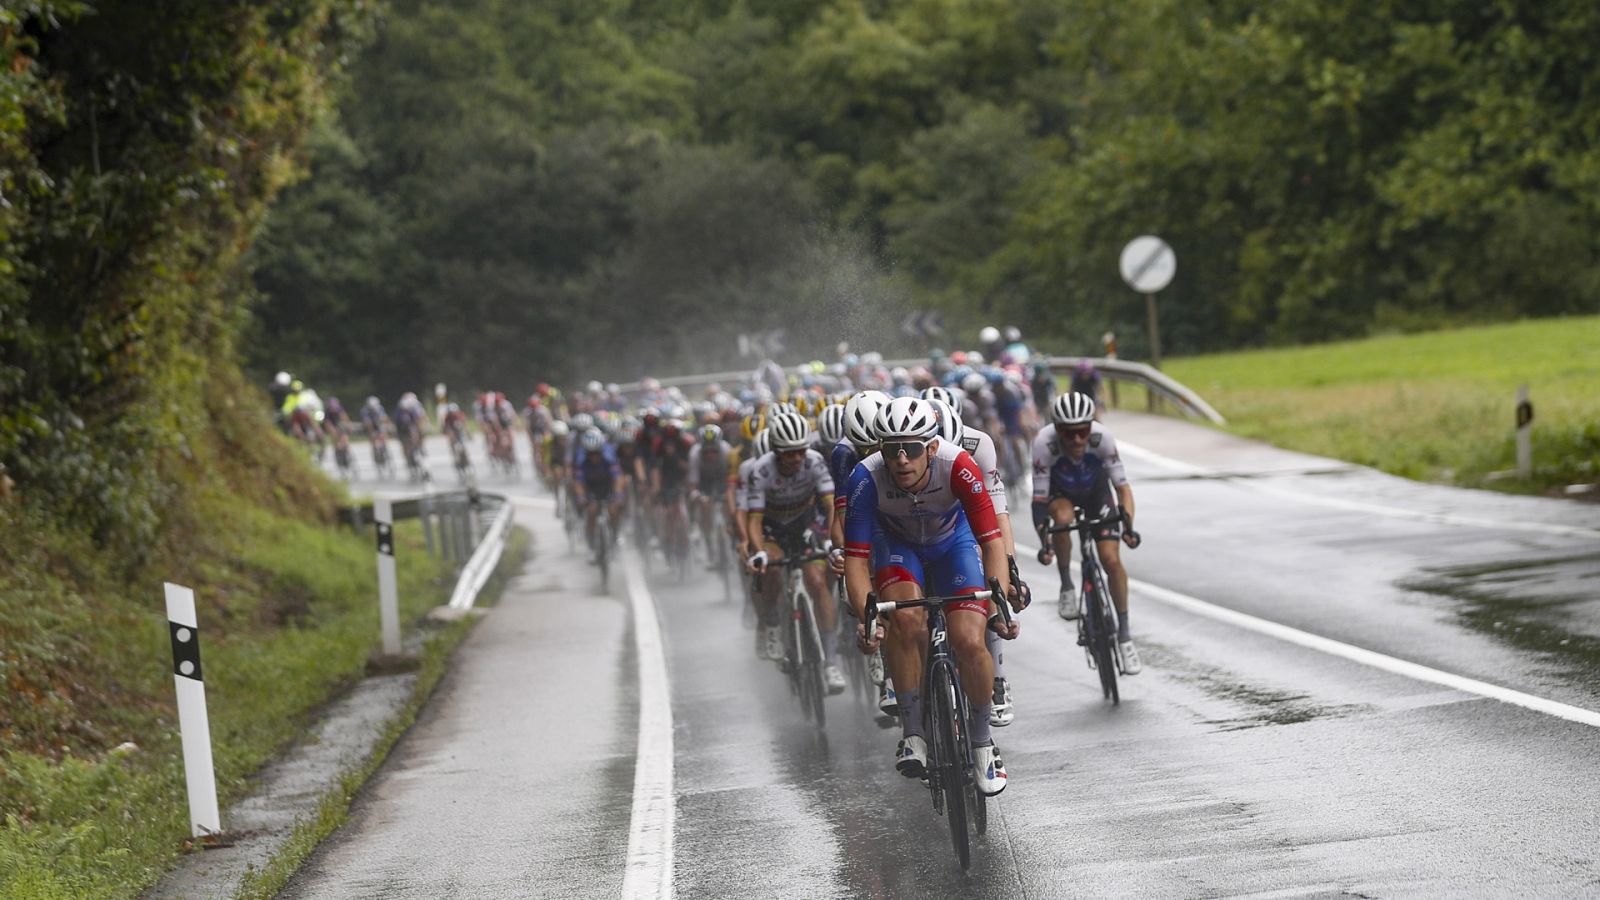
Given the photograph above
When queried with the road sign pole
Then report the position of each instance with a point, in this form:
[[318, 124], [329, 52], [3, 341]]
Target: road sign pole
[[1155, 329]]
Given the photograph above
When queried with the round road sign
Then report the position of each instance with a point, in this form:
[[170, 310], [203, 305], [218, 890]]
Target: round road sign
[[1148, 264]]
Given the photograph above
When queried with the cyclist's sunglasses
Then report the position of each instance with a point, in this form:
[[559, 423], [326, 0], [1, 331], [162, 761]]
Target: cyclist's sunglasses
[[1081, 432], [912, 449], [792, 452]]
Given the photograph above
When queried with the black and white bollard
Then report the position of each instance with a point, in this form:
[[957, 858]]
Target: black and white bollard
[[193, 722], [388, 588], [1524, 432]]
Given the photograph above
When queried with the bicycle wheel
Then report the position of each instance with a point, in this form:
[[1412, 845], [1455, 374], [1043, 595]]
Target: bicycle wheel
[[1102, 631], [947, 760], [811, 650], [976, 804]]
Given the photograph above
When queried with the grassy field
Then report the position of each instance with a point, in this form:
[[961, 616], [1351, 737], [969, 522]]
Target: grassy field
[[1438, 406], [91, 780]]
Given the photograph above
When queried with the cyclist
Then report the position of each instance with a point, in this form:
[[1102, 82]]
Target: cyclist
[[980, 446], [708, 467], [1086, 380], [374, 418], [453, 422], [861, 412], [597, 479], [784, 488], [557, 450], [279, 392], [669, 480], [919, 512], [1044, 388], [769, 643], [495, 417], [1076, 464]]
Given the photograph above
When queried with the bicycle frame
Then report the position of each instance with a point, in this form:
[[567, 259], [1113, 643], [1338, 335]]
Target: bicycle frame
[[1098, 626], [951, 775]]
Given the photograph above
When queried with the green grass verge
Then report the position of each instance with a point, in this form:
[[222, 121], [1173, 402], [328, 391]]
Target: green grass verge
[[287, 618], [333, 809], [1436, 406]]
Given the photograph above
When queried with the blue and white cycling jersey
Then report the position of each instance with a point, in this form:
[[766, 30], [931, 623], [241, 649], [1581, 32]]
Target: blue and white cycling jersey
[[1056, 475]]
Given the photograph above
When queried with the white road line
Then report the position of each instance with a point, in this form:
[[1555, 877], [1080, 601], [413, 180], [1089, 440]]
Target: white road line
[[1353, 653], [1138, 452], [649, 872]]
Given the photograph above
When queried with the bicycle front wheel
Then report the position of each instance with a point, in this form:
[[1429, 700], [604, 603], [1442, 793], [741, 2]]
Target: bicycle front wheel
[[946, 760], [1102, 631], [811, 649]]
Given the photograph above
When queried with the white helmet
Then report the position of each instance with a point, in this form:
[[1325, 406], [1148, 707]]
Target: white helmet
[[281, 379], [582, 422], [950, 427], [1072, 409], [593, 440], [559, 428], [860, 416], [989, 335], [906, 417], [974, 383], [831, 423], [761, 444], [790, 431], [949, 397], [592, 387]]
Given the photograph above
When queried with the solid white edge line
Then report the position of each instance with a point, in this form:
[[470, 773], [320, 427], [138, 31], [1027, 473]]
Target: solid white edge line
[[1356, 654], [1138, 452], [649, 863]]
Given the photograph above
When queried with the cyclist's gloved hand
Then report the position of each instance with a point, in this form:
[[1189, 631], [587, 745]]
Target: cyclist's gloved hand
[[758, 562], [869, 643], [1046, 555], [1131, 538], [1021, 595], [1007, 630]]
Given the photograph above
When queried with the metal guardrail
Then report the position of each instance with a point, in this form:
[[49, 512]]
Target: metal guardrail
[[466, 526], [1153, 380]]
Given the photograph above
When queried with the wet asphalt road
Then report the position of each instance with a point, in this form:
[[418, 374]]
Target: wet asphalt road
[[1237, 763]]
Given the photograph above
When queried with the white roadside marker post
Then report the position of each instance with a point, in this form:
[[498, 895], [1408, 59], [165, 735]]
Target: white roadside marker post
[[388, 589], [193, 723]]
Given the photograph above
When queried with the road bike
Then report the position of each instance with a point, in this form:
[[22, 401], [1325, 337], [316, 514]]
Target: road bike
[[459, 455], [601, 541], [342, 456], [803, 659], [382, 464], [951, 773], [502, 453], [675, 532], [1097, 621]]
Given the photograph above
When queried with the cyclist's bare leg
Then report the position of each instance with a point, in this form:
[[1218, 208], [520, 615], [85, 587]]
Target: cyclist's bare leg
[[977, 666], [771, 585], [905, 648], [824, 606], [1061, 510], [1116, 572]]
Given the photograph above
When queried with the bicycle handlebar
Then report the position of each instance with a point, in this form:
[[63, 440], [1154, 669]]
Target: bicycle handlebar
[[876, 609]]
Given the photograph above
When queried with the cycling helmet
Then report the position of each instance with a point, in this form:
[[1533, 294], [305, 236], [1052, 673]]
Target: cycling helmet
[[790, 431], [559, 428], [582, 422], [1072, 409], [454, 407], [950, 427], [751, 424], [761, 444], [989, 335], [710, 433], [906, 417], [831, 423], [593, 387], [1013, 334], [593, 439], [373, 402], [944, 395], [671, 427], [281, 379], [861, 416], [974, 383]]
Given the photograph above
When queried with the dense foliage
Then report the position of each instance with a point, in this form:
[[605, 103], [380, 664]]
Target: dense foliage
[[522, 190], [137, 155]]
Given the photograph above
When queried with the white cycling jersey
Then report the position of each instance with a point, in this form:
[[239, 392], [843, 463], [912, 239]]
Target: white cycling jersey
[[1055, 473], [741, 489], [786, 498], [955, 489], [981, 447]]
